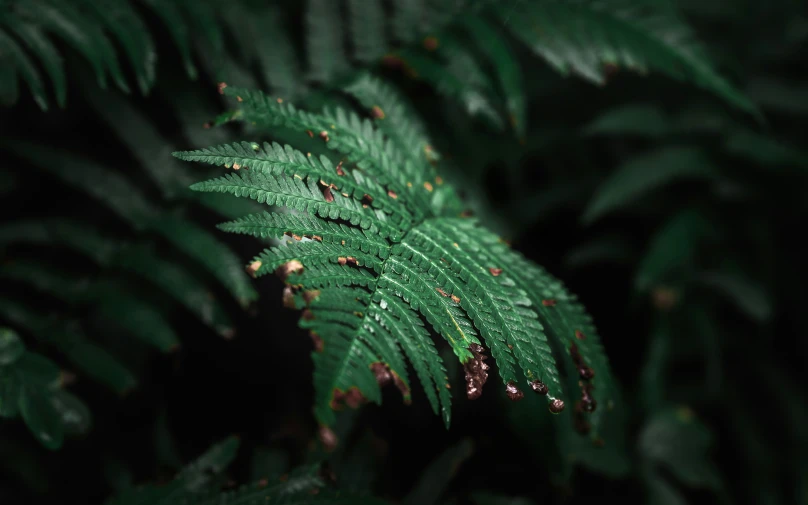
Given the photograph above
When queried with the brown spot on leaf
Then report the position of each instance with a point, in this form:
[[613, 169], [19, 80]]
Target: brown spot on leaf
[[556, 406], [513, 392], [290, 267], [392, 61], [221, 87], [317, 238], [289, 297], [377, 112], [297, 237], [455, 299], [392, 194], [580, 335], [340, 171], [539, 387], [207, 125], [311, 295], [366, 200], [495, 271], [347, 260], [586, 372], [307, 315], [442, 292], [252, 268], [431, 43], [317, 341], [382, 373], [548, 303], [279, 100], [664, 298], [329, 197], [428, 186], [324, 136], [466, 213], [476, 372], [328, 438], [438, 180], [239, 99]]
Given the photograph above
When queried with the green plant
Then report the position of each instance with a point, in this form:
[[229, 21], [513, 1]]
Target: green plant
[[671, 214]]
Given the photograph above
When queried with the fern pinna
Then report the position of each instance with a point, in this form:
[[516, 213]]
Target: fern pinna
[[376, 243]]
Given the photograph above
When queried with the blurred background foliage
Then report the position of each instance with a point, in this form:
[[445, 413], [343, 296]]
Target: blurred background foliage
[[671, 200]]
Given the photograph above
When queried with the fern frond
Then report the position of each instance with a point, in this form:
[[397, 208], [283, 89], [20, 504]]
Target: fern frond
[[367, 24], [641, 120], [174, 280], [21, 62], [88, 357], [207, 250], [506, 67], [344, 132], [272, 159], [303, 195], [645, 173], [276, 225], [590, 37], [57, 231], [365, 296], [42, 48], [324, 45], [108, 187]]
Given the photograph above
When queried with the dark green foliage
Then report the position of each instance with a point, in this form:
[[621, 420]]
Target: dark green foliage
[[669, 196], [425, 262]]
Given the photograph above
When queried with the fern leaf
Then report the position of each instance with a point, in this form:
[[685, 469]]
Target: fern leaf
[[365, 296], [91, 359], [182, 286], [401, 320], [452, 81], [29, 72], [301, 195], [85, 33], [641, 120], [149, 148], [276, 225], [324, 44], [136, 317], [174, 20], [57, 231], [367, 24], [407, 19], [104, 185], [507, 69], [122, 20], [436, 477], [41, 417], [644, 174], [277, 56], [272, 159], [50, 58], [672, 251], [343, 132], [208, 251], [588, 37]]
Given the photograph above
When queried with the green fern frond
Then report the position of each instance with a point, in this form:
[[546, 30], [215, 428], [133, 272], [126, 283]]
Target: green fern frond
[[207, 250], [592, 37], [30, 387], [366, 282], [69, 340], [325, 48], [641, 120], [177, 282], [646, 173], [506, 68], [29, 72]]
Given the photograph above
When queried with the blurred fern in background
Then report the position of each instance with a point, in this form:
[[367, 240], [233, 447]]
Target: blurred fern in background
[[648, 152]]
